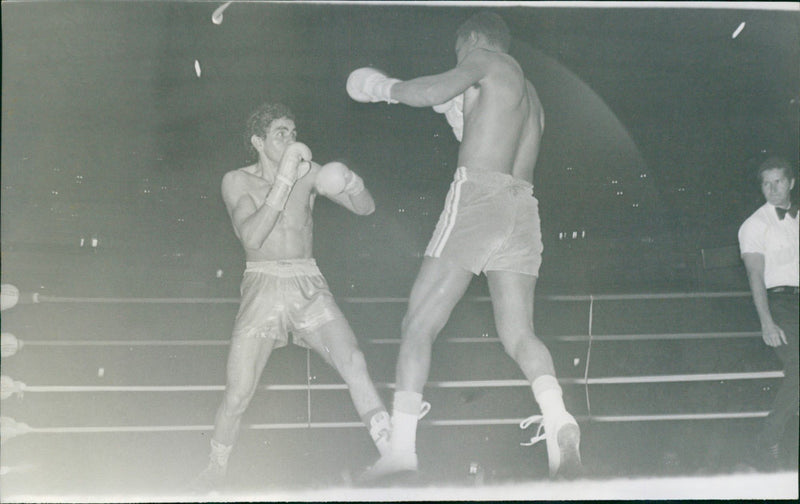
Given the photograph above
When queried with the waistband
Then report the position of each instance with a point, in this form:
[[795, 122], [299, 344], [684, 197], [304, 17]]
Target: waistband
[[784, 289], [284, 267], [491, 179]]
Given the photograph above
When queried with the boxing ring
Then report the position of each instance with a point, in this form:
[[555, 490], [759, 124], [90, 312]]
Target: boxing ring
[[617, 364]]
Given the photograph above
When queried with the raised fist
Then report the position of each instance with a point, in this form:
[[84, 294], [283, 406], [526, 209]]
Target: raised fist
[[370, 85], [295, 162]]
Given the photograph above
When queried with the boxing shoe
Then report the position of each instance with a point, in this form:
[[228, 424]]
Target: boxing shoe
[[394, 462], [391, 464], [209, 480], [562, 437]]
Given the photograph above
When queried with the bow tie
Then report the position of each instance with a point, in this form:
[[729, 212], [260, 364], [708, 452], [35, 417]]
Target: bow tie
[[792, 210]]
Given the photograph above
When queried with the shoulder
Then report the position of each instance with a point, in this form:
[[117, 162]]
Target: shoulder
[[238, 175], [236, 181], [757, 222]]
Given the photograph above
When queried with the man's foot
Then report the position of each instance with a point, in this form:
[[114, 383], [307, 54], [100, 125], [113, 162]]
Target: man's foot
[[209, 480], [391, 464], [562, 437]]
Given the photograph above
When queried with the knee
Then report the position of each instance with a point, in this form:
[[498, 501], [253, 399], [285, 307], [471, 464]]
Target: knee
[[519, 344], [420, 328], [512, 345], [353, 364], [236, 400]]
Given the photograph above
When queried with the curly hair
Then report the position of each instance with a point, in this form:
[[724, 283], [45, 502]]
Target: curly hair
[[491, 26], [260, 119]]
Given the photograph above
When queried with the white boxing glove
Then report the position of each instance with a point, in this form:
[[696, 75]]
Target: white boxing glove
[[335, 178], [331, 179], [370, 85], [295, 163], [453, 110]]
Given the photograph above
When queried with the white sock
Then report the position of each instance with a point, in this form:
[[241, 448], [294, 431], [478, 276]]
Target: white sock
[[220, 453], [405, 413], [547, 393]]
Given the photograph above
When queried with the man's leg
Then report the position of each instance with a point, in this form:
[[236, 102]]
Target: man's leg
[[512, 300], [784, 407], [246, 360], [337, 345], [439, 286]]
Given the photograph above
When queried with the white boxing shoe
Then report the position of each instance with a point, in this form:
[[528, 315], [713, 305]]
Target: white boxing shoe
[[392, 463], [563, 437]]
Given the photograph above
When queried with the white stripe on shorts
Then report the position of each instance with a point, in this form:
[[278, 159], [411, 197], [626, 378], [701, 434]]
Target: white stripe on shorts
[[450, 212]]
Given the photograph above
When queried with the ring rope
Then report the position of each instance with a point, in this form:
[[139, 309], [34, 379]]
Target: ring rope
[[396, 341], [435, 423], [440, 384], [39, 298]]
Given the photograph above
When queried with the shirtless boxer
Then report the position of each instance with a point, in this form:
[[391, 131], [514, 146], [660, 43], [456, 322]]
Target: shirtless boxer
[[490, 224], [270, 205]]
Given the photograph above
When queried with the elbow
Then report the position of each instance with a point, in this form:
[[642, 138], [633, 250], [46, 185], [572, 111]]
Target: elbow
[[252, 242]]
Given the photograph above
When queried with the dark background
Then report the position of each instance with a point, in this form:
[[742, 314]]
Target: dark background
[[655, 120]]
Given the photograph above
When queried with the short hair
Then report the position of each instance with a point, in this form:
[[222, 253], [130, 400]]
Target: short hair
[[260, 119], [490, 25], [775, 163]]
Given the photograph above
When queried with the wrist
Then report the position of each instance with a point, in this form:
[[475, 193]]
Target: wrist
[[279, 194], [354, 186], [385, 92]]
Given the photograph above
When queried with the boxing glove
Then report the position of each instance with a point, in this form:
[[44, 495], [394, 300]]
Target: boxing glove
[[453, 111], [370, 85]]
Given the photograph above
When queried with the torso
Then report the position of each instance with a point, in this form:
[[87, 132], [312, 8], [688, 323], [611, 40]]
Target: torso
[[777, 241], [291, 238], [503, 119]]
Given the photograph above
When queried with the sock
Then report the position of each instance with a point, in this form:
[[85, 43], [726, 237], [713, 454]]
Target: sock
[[405, 413], [380, 428], [220, 453], [547, 393]]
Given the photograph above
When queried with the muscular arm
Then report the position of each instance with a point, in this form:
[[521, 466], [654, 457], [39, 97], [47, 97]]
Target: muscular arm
[[770, 332], [360, 203], [344, 187], [252, 221], [435, 89]]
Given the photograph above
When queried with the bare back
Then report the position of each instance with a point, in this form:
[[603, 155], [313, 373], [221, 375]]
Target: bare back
[[503, 118]]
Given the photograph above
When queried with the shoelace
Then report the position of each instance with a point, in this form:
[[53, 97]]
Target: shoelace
[[424, 409], [540, 434]]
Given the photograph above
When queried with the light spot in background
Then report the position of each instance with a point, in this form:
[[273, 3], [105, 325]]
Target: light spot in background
[[216, 17], [738, 30]]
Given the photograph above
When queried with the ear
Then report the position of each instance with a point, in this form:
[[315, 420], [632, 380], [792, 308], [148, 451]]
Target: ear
[[257, 142], [791, 185]]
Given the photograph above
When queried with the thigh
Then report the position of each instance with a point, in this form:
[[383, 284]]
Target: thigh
[[334, 341], [246, 360], [439, 286], [785, 313], [512, 301]]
